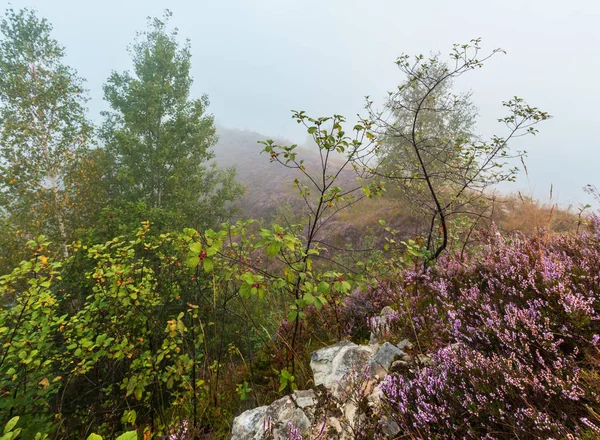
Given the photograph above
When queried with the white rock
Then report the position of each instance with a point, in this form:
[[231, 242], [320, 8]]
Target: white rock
[[248, 424], [284, 411], [384, 358], [304, 399], [331, 364], [251, 425]]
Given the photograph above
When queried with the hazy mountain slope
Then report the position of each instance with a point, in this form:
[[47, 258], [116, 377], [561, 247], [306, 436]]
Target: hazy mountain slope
[[270, 192], [268, 185]]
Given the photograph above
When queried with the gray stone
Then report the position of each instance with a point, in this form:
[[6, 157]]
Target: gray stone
[[407, 358], [304, 399], [284, 411], [331, 367], [404, 345], [331, 364], [423, 360], [389, 427], [384, 358], [334, 424], [251, 425], [374, 399], [248, 424]]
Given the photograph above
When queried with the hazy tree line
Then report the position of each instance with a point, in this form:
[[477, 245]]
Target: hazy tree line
[[63, 177]]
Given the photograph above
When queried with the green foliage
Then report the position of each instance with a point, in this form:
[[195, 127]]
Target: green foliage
[[339, 154], [43, 129], [141, 330], [125, 342], [138, 333], [129, 435], [159, 138], [428, 146], [286, 380], [9, 432], [243, 389]]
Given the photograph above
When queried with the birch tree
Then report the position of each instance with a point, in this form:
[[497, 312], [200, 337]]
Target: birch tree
[[43, 128]]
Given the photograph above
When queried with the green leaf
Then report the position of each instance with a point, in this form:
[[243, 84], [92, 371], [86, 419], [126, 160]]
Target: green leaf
[[323, 287], [196, 247], [11, 424], [273, 249], [320, 301], [129, 435], [190, 232], [129, 417], [245, 290], [192, 260], [247, 277], [94, 437], [208, 264]]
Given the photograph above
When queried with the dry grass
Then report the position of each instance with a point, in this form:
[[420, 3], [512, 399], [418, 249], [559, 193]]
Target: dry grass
[[516, 212]]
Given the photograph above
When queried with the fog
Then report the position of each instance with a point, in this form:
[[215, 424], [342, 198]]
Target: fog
[[257, 60]]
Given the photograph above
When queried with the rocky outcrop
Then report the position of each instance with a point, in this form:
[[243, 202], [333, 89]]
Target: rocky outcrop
[[296, 409], [383, 359], [346, 396], [330, 365]]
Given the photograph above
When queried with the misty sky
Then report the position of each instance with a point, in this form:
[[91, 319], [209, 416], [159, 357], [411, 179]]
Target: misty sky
[[257, 60]]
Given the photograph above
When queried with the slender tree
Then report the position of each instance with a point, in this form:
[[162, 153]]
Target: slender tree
[[43, 128], [428, 146], [160, 138]]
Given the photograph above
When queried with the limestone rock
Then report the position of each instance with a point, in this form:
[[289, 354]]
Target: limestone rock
[[330, 413], [331, 364], [384, 358], [304, 399], [389, 427], [404, 345], [284, 411], [252, 424], [248, 424]]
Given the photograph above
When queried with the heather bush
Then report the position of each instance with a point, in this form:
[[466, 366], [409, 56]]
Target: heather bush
[[520, 327]]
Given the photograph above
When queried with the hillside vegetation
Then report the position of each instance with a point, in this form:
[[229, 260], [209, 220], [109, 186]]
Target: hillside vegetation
[[160, 276]]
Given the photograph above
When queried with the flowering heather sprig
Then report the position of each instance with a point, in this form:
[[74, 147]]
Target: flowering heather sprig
[[383, 326], [595, 428], [293, 433], [267, 431], [523, 319], [182, 432], [354, 386]]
